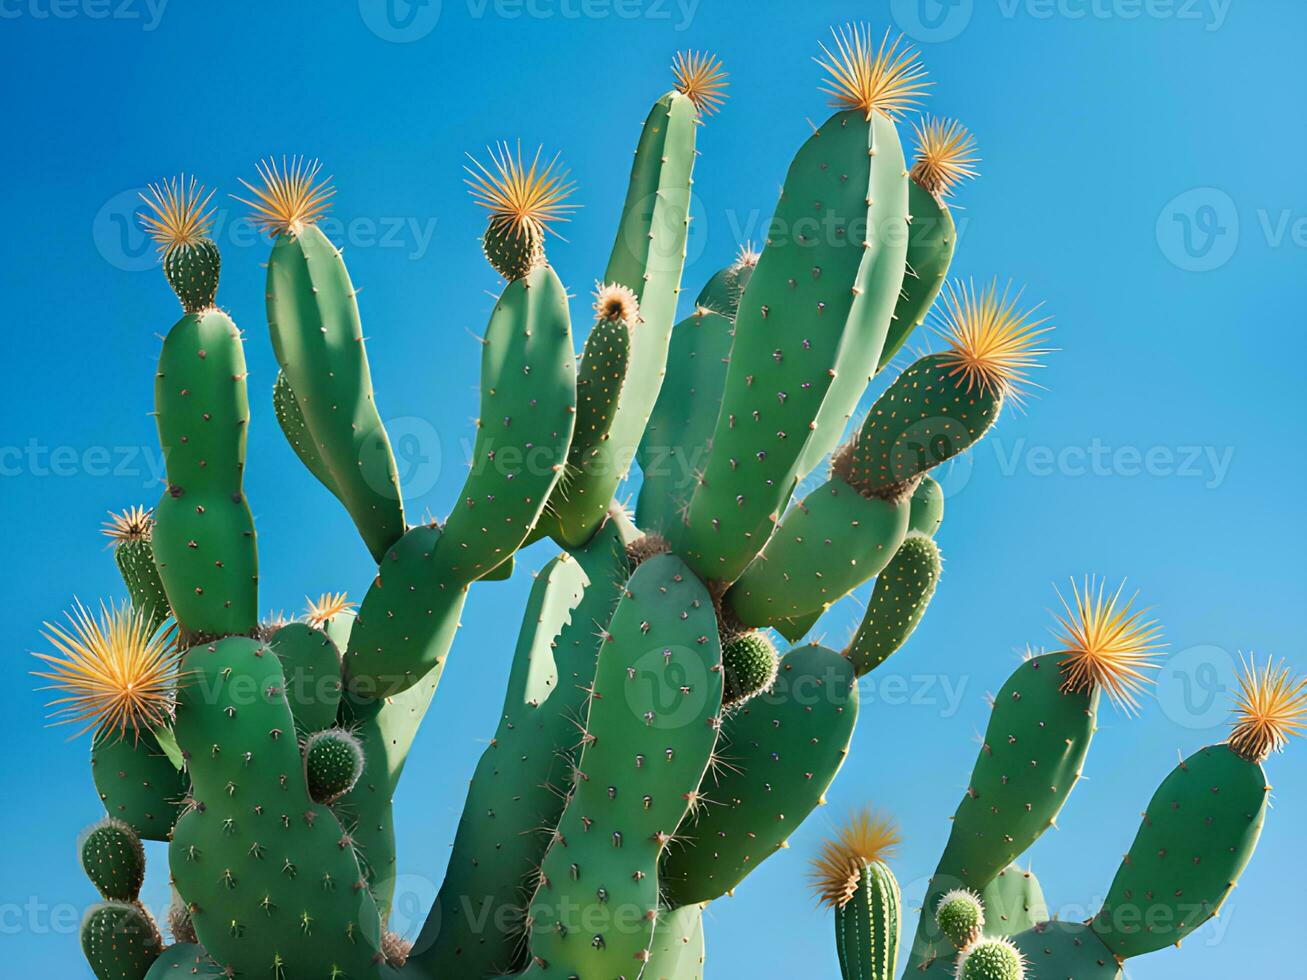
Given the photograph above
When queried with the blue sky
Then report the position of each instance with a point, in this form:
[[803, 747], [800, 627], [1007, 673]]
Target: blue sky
[[1142, 175]]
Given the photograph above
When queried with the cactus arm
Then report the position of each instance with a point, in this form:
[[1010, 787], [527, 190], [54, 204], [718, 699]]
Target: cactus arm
[[1033, 752], [317, 336], [268, 875], [675, 443], [311, 663], [649, 733], [780, 753], [931, 241], [520, 782], [138, 784], [789, 332], [677, 951], [823, 548], [291, 420], [898, 602], [203, 536], [647, 258]]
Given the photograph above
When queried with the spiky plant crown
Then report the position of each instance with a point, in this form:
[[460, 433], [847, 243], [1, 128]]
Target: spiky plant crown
[[946, 155], [133, 524], [746, 258], [866, 838], [1269, 707], [887, 79], [522, 198], [701, 79], [960, 915], [115, 671], [290, 196], [326, 606], [993, 344], [179, 215], [616, 304], [1107, 643]]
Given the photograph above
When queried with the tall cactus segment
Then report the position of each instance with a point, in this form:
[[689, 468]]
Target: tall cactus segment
[[648, 737], [129, 534], [270, 877], [204, 534], [946, 155], [898, 602], [1036, 742], [675, 444], [844, 203], [647, 258], [317, 336], [520, 785], [777, 757], [850, 876], [1200, 829]]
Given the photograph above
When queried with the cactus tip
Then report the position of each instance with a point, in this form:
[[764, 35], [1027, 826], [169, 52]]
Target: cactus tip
[[133, 524], [325, 607], [701, 79], [992, 342], [179, 215], [1269, 707], [1107, 644], [291, 197], [867, 837], [616, 304], [888, 78], [519, 193], [946, 155]]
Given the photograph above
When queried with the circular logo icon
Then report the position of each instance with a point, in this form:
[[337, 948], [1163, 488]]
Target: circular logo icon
[[416, 445], [931, 21], [413, 896], [667, 687], [118, 235], [400, 21], [1198, 231], [1194, 687]]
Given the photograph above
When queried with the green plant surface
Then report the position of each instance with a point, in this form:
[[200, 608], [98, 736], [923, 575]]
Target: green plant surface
[[867, 925], [898, 603], [137, 783]]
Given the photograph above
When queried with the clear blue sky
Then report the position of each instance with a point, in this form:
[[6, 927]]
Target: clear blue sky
[[1142, 174]]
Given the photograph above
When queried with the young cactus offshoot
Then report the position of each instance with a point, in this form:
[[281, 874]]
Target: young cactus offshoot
[[523, 199], [850, 876], [991, 959], [960, 917], [178, 219]]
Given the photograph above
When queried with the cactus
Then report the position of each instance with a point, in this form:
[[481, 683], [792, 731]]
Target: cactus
[[991, 959], [960, 917], [653, 749], [851, 877]]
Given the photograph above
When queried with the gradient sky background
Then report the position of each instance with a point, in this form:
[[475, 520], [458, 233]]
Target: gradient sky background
[[1142, 174]]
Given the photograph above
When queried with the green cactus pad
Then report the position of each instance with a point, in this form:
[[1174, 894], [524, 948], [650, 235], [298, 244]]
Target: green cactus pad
[[647, 258], [897, 604], [520, 785], [598, 386], [1065, 951], [649, 734], [528, 409], [931, 241], [789, 333], [926, 417], [1197, 836], [311, 664], [1031, 758], [296, 431], [204, 535], [333, 762], [991, 959], [825, 547], [675, 444], [513, 250], [120, 941], [138, 784], [271, 878], [1014, 902], [677, 949], [867, 925], [192, 272], [396, 642], [749, 666], [317, 336], [960, 917], [927, 507], [185, 961], [780, 753], [114, 860]]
